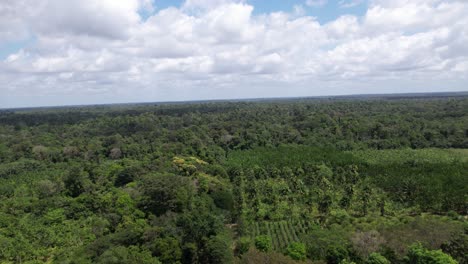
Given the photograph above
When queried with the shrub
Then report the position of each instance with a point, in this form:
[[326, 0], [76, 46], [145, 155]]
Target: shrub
[[296, 251], [223, 199], [457, 247], [336, 254], [367, 242], [253, 257], [243, 245], [417, 254], [263, 243], [319, 242], [376, 258]]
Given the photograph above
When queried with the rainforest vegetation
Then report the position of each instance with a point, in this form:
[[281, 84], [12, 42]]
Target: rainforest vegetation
[[330, 180]]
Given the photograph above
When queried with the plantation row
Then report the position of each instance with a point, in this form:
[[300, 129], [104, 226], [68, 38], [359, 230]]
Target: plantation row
[[282, 233], [297, 155]]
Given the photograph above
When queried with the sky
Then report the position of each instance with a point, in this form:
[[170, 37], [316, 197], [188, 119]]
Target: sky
[[55, 52]]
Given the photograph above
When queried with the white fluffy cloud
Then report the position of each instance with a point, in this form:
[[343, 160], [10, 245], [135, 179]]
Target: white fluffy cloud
[[106, 18], [206, 4], [87, 51]]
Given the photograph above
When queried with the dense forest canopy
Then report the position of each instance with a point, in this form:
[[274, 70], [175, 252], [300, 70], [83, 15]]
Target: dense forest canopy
[[331, 180]]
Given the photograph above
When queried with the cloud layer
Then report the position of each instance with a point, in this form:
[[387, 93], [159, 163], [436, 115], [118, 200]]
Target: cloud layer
[[86, 51]]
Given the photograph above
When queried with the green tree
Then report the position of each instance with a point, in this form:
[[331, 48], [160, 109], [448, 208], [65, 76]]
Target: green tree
[[335, 254], [167, 250], [457, 247], [325, 204], [166, 192], [417, 254], [223, 199], [218, 250], [123, 255], [365, 199], [77, 181]]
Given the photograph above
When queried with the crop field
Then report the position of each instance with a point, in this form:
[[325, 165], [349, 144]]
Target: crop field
[[282, 233], [295, 155]]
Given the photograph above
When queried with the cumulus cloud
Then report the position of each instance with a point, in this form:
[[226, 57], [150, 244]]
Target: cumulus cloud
[[220, 49], [206, 4], [106, 18]]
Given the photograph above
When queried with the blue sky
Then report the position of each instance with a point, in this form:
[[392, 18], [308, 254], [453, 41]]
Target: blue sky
[[55, 52], [11, 47]]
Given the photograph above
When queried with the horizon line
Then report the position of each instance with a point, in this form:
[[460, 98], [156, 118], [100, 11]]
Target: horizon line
[[340, 96]]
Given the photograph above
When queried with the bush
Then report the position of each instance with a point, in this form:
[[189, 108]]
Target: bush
[[417, 254], [254, 256], [367, 242], [132, 254], [336, 254], [347, 261], [457, 248], [243, 245], [376, 258], [263, 243], [320, 241], [296, 251]]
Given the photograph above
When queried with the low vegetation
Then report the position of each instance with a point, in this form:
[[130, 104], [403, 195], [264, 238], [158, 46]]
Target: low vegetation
[[289, 181]]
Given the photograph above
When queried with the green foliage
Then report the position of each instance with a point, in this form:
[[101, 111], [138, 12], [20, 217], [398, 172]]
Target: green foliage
[[413, 156], [432, 231], [166, 192], [457, 247], [271, 257], [296, 251], [327, 244], [47, 188], [201, 221], [333, 180], [376, 258], [167, 250], [17, 167], [290, 155], [336, 254], [282, 233], [417, 254], [77, 182], [223, 199], [263, 243], [123, 255], [218, 250], [347, 261], [127, 175], [324, 204], [244, 244]]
